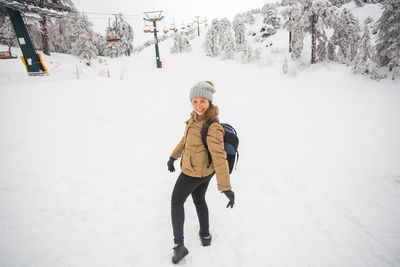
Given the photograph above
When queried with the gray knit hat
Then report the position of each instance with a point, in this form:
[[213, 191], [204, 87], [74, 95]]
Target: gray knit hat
[[203, 89]]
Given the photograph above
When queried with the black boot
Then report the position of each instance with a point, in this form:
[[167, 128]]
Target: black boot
[[205, 240], [179, 253]]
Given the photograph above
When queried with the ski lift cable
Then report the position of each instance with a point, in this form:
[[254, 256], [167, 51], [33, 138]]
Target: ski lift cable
[[107, 14]]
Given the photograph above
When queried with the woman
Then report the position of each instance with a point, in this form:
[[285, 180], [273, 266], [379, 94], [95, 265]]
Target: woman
[[196, 168]]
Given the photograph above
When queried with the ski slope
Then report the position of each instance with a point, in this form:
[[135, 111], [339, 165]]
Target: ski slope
[[84, 181]]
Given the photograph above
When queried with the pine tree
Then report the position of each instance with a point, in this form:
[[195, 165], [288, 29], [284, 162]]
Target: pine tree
[[316, 16], [331, 51], [271, 21], [100, 42], [249, 18], [312, 16], [285, 66], [321, 49], [212, 39], [83, 46], [388, 41], [226, 40], [125, 32], [7, 31], [246, 54], [121, 29], [61, 35], [293, 15], [363, 62], [181, 43], [239, 29], [346, 36]]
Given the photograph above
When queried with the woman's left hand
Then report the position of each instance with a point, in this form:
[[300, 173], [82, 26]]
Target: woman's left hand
[[229, 194]]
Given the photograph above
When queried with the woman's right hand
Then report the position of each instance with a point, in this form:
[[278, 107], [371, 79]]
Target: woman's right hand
[[170, 164]]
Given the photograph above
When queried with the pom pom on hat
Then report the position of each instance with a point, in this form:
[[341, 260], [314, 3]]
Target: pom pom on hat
[[202, 89]]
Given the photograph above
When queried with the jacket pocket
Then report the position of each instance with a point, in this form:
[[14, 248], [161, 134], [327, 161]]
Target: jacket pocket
[[198, 159], [187, 163]]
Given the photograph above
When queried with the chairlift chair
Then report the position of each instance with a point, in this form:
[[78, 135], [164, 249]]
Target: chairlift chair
[[7, 54], [173, 28], [111, 31], [146, 28], [112, 38], [153, 30]]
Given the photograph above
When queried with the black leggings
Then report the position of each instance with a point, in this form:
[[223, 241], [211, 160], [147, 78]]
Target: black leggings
[[184, 186]]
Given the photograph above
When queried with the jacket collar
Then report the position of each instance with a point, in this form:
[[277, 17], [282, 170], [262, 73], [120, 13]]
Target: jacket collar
[[211, 113]]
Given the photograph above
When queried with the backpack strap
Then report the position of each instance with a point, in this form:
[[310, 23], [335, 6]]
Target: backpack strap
[[204, 132]]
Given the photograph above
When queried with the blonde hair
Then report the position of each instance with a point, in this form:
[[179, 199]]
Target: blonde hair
[[210, 83]]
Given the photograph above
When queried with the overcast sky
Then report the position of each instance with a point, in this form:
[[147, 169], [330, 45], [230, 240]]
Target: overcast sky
[[179, 10]]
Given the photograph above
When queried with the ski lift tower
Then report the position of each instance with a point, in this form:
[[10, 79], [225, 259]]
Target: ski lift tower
[[33, 8], [154, 16]]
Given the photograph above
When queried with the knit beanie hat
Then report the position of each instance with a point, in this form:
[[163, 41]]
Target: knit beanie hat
[[203, 89]]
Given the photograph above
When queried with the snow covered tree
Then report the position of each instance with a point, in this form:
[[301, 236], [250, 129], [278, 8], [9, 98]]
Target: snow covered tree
[[7, 31], [331, 51], [226, 40], [83, 45], [181, 43], [100, 42], [125, 32], [212, 39], [363, 62], [285, 66], [246, 55], [316, 16], [321, 49], [239, 30], [293, 15], [312, 16], [359, 3], [61, 35], [346, 36], [271, 20], [339, 3], [388, 41], [249, 18], [121, 29]]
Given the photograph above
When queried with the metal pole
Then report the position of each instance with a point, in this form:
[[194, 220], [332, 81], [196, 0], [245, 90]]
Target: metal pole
[[156, 44], [31, 59], [198, 26]]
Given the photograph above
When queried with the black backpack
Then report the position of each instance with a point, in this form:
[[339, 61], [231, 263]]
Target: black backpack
[[231, 142]]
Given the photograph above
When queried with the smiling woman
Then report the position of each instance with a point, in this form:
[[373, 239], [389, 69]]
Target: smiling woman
[[197, 171]]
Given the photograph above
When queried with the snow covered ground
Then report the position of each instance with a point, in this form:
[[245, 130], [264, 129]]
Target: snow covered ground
[[84, 182]]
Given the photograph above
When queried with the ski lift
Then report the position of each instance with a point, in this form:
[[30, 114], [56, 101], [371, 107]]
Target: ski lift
[[165, 30], [112, 31], [146, 29]]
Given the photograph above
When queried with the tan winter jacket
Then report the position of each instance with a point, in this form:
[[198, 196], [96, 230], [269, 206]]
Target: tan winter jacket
[[194, 160]]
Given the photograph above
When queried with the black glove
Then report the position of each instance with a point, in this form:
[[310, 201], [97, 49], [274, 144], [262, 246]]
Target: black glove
[[170, 164], [229, 194]]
